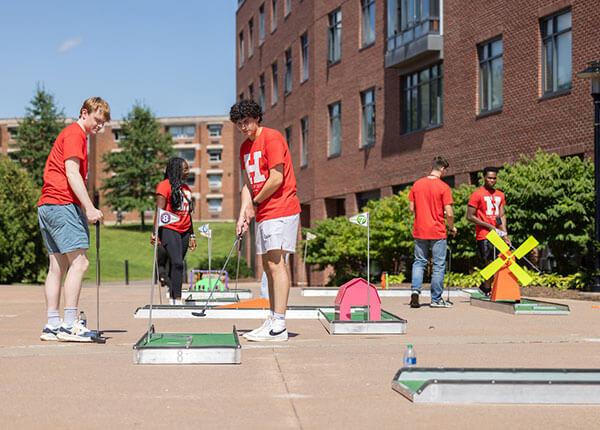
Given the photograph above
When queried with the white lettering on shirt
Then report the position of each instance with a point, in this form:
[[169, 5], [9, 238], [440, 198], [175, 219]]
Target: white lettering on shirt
[[253, 169]]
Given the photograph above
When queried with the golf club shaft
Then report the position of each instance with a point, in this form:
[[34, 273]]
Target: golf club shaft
[[97, 278], [237, 238], [527, 260]]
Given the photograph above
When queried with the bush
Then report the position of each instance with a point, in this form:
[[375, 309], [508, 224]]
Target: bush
[[397, 279], [22, 251], [549, 280], [217, 264]]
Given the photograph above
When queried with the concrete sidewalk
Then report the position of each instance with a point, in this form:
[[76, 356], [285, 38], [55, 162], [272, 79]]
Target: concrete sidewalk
[[313, 381]]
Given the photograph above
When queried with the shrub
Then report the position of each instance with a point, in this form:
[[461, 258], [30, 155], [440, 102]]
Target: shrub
[[22, 251]]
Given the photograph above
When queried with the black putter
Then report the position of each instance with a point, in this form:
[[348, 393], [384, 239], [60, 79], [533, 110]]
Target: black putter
[[449, 265], [97, 338], [203, 312]]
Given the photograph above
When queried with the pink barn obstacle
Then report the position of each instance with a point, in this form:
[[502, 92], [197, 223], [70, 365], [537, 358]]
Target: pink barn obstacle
[[354, 293]]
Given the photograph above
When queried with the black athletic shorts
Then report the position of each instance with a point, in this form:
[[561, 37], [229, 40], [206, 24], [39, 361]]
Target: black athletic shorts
[[485, 249]]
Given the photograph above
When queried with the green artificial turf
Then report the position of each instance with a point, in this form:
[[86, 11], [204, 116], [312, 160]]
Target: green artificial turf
[[198, 339]]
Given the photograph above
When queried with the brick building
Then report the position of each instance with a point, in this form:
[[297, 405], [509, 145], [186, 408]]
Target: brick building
[[205, 142], [368, 91]]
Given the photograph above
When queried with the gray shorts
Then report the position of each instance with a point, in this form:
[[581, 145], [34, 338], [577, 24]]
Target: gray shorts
[[277, 233], [64, 228]]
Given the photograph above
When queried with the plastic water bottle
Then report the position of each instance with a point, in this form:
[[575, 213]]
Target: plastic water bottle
[[82, 319], [410, 357]]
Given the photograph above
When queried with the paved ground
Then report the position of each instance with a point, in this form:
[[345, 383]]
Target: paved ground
[[313, 381]]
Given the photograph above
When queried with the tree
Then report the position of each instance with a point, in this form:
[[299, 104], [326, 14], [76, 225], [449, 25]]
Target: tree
[[552, 199], [138, 166], [37, 132], [21, 248]]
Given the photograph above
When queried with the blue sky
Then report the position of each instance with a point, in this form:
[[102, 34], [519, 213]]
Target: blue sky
[[177, 57]]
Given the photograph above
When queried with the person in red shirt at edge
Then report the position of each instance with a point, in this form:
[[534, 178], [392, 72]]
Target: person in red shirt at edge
[[486, 210], [175, 196], [431, 198], [269, 194], [64, 209]]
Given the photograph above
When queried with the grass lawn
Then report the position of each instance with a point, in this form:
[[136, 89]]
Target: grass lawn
[[127, 242]]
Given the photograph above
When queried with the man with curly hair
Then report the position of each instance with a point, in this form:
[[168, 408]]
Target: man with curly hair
[[269, 194]]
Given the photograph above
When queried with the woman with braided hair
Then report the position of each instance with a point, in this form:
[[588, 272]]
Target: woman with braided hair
[[174, 195]]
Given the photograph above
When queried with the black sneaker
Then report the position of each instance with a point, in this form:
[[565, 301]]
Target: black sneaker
[[440, 304], [414, 300], [484, 291]]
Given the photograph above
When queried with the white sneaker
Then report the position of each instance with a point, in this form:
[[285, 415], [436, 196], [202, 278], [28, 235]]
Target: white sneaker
[[49, 333], [269, 336], [265, 326], [76, 333]]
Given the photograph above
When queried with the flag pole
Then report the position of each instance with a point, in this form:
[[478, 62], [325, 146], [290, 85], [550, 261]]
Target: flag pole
[[153, 273], [304, 263], [368, 267]]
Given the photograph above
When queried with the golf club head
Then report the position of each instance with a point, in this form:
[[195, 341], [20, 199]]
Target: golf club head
[[98, 339], [199, 314]]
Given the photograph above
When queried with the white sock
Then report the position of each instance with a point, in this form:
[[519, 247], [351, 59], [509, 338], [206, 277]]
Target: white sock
[[70, 316], [53, 318], [278, 323]]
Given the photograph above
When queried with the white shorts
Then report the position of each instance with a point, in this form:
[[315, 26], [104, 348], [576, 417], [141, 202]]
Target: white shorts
[[277, 233]]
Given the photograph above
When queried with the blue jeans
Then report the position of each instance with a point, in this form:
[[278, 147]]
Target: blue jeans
[[438, 252]]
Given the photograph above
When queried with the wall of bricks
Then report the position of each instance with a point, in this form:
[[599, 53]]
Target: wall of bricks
[[527, 121]]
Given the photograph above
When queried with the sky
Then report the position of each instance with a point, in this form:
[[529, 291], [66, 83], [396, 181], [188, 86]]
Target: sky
[[177, 57]]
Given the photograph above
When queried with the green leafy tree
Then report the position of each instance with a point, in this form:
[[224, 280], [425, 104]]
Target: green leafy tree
[[22, 252], [552, 199], [463, 245], [138, 166], [37, 132]]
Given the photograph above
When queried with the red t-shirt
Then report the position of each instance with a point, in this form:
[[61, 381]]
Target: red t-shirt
[[183, 212], [71, 142], [267, 151], [430, 196], [487, 208]]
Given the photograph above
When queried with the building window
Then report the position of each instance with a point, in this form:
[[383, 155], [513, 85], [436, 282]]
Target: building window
[[261, 23], [367, 22], [490, 76], [288, 7], [274, 87], [304, 149], [214, 155], [12, 133], [182, 131], [215, 180], [410, 19], [288, 136], [273, 15], [261, 92], [335, 129], [423, 104], [215, 205], [241, 97], [304, 47], [250, 37], [367, 100], [251, 91], [214, 130], [334, 37], [241, 48], [288, 72], [556, 52], [188, 155], [117, 135], [190, 180], [365, 197]]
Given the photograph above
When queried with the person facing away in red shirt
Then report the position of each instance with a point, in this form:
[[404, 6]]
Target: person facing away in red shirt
[[431, 201], [486, 210]]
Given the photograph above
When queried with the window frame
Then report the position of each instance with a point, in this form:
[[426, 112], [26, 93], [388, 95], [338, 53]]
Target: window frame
[[241, 48], [212, 152], [274, 84], [261, 91], [407, 99], [334, 148], [274, 22], [251, 37], [304, 141], [261, 24], [210, 132], [334, 36], [287, 81], [364, 140], [486, 60], [304, 57], [369, 17], [555, 54]]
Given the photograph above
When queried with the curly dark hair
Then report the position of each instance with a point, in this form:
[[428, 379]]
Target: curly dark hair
[[245, 109], [174, 173]]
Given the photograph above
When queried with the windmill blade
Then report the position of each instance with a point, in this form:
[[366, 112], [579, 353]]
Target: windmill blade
[[521, 275], [526, 246], [492, 268], [497, 241]]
